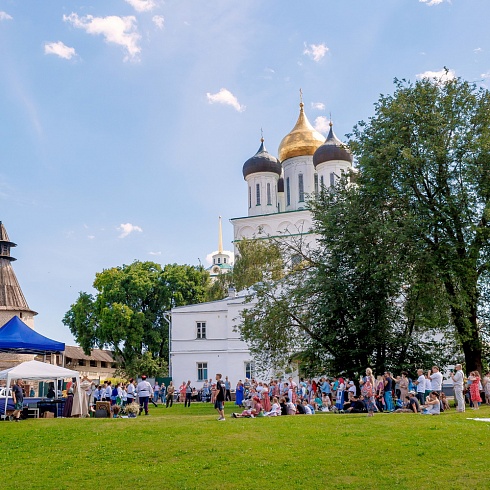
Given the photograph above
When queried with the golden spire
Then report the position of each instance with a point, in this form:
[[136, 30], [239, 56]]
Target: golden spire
[[220, 238], [303, 139]]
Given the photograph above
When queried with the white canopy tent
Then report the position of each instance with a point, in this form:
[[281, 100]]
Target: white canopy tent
[[42, 371]]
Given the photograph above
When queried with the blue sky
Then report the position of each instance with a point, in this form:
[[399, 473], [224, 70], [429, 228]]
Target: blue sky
[[124, 124]]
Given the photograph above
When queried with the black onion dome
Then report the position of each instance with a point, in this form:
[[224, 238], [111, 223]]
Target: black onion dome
[[262, 161], [332, 149]]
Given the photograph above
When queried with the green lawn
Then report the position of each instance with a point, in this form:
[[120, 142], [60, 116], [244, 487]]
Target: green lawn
[[188, 448]]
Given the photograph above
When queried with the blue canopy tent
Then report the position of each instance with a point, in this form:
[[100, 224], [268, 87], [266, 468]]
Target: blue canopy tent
[[16, 336]]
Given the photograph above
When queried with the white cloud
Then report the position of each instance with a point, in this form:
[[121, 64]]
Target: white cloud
[[319, 106], [430, 3], [485, 75], [127, 228], [5, 16], [158, 20], [154, 253], [142, 5], [91, 237], [60, 49], [224, 96], [439, 75], [477, 50], [116, 30], [322, 124], [316, 51]]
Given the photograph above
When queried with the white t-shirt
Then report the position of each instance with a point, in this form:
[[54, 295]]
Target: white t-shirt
[[353, 389], [458, 379], [421, 384], [436, 381], [428, 385]]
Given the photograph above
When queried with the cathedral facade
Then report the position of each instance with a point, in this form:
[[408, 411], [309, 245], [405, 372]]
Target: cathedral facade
[[203, 337]]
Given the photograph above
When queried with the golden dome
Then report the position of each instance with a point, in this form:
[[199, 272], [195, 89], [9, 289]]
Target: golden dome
[[302, 140]]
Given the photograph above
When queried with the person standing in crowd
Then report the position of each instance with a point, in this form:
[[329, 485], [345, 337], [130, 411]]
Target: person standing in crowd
[[420, 383], [17, 398], [130, 391], [170, 394], [435, 379], [219, 404], [388, 396], [227, 390], [367, 391], [458, 381], [239, 393], [156, 391], [339, 401], [188, 394], [475, 397], [206, 393], [108, 391], [182, 392], [163, 393], [403, 385], [486, 387], [144, 391]]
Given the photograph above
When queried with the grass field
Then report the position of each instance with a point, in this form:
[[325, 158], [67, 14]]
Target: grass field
[[187, 448]]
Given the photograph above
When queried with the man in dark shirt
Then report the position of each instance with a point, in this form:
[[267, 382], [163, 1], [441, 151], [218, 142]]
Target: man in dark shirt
[[388, 382], [413, 402], [219, 404], [358, 405], [18, 398]]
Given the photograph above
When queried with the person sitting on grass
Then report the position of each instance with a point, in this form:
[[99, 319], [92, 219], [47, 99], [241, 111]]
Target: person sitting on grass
[[413, 402], [307, 408], [255, 411], [326, 403], [444, 402], [432, 405], [275, 409], [357, 405], [405, 407]]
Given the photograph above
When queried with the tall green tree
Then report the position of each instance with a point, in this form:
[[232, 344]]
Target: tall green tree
[[426, 155], [127, 313]]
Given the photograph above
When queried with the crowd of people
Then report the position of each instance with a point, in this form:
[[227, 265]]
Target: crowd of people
[[368, 394]]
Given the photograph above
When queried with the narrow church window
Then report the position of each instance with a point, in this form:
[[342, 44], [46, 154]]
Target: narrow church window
[[257, 189], [224, 260], [288, 193], [316, 183], [219, 260], [301, 188], [332, 179], [321, 181], [269, 195], [201, 330], [249, 369], [249, 197], [202, 371]]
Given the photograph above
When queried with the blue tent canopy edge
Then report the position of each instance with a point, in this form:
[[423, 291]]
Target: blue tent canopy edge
[[16, 336]]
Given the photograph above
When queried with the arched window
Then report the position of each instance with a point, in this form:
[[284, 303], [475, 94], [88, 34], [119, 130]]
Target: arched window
[[288, 193], [257, 189], [269, 194], [301, 188], [316, 183], [332, 179], [249, 197]]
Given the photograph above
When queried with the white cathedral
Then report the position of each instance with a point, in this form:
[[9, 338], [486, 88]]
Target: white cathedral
[[203, 340]]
